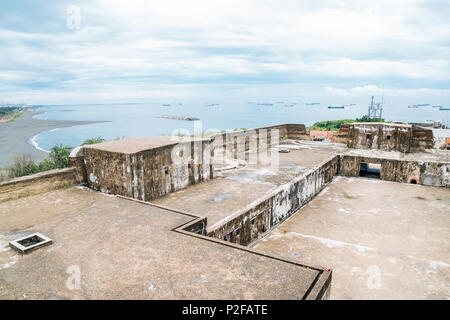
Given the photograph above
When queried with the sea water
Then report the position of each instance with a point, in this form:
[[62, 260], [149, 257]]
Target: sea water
[[142, 120]]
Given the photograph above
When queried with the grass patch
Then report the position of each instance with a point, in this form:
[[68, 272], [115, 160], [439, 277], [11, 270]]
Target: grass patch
[[10, 115], [93, 141], [334, 125]]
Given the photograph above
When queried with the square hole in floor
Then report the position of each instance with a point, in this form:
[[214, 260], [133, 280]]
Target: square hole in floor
[[30, 242]]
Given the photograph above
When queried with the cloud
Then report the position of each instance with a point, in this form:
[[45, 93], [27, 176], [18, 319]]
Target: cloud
[[128, 48], [370, 90]]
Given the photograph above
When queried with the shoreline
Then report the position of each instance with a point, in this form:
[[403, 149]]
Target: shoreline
[[16, 138]]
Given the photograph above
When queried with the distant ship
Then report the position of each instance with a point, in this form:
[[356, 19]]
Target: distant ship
[[289, 105], [444, 108], [419, 105], [212, 104], [437, 106], [166, 105], [265, 104], [336, 107], [312, 103]]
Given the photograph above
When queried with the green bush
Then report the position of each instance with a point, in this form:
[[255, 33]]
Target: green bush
[[93, 141], [365, 118], [332, 125], [22, 166], [59, 155], [59, 158], [46, 165]]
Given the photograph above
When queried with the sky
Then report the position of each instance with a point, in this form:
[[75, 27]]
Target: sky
[[104, 51]]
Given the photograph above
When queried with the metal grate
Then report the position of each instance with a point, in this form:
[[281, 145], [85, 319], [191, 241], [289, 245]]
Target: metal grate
[[30, 242]]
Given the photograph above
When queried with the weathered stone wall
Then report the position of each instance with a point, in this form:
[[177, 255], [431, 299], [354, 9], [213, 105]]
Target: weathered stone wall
[[389, 137], [149, 174], [422, 139], [379, 136], [291, 197], [80, 169], [37, 183], [435, 174], [234, 143], [407, 171], [245, 226], [297, 131], [342, 135], [248, 224]]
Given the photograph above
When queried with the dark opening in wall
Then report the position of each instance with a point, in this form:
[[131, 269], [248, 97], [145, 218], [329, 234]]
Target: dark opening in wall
[[413, 181], [370, 170], [388, 137], [228, 237], [368, 136]]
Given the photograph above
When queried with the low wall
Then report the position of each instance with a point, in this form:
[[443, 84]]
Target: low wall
[[386, 136], [258, 218], [428, 173], [379, 136], [37, 183], [435, 174], [232, 144], [422, 139], [314, 134], [80, 169]]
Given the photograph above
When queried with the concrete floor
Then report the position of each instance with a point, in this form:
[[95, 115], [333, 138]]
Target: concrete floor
[[435, 155], [123, 249], [383, 240], [235, 189]]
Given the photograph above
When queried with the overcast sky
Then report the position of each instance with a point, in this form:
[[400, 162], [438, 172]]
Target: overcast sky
[[62, 52]]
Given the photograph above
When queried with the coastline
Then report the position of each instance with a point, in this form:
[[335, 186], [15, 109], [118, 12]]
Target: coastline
[[13, 116], [16, 138]]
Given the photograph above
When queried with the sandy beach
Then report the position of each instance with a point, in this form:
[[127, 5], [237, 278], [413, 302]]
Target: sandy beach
[[15, 136]]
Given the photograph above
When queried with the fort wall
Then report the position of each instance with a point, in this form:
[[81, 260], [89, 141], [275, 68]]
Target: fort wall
[[250, 223], [151, 173], [429, 173], [37, 183]]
